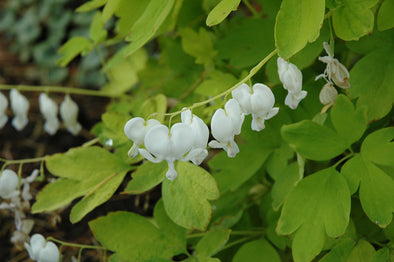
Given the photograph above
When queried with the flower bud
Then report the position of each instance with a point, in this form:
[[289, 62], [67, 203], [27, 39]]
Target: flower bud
[[20, 106], [49, 110], [41, 250], [8, 184], [328, 94], [3, 108], [69, 114]]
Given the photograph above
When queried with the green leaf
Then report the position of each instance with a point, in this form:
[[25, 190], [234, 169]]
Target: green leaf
[[212, 242], [215, 83], [143, 29], [340, 252], [353, 19], [154, 105], [132, 237], [278, 160], [128, 12], [372, 80], [319, 204], [385, 15], [375, 191], [91, 5], [377, 40], [198, 45], [348, 122], [112, 129], [379, 148], [97, 32], [314, 141], [284, 184], [297, 23], [381, 255], [72, 48], [362, 252], [109, 10], [186, 197], [147, 176], [221, 11], [255, 251]]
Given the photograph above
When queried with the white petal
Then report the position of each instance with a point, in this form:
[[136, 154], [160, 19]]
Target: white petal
[[133, 152], [145, 153], [69, 113], [242, 95], [3, 109], [293, 99], [8, 184], [37, 243], [171, 172], [182, 139], [328, 94], [50, 253], [186, 117], [234, 111], [135, 130], [157, 141], [222, 126], [48, 107], [232, 149], [262, 99], [51, 125], [341, 75], [327, 48], [20, 106], [258, 123], [197, 155]]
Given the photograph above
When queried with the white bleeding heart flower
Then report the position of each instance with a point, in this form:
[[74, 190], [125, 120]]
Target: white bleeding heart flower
[[169, 145], [49, 110], [291, 78], [328, 94], [225, 124], [136, 129], [9, 184], [20, 106], [3, 108], [258, 101], [334, 71], [200, 133], [69, 113], [41, 250]]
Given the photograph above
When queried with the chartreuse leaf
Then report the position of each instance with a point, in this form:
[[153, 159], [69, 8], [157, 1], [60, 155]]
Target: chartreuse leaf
[[255, 251], [72, 48], [186, 197], [378, 147], [221, 11], [385, 15], [198, 45], [155, 105], [143, 29], [91, 5], [340, 252], [362, 252], [284, 184], [135, 238], [97, 32], [215, 83], [297, 23], [113, 125], [382, 254], [372, 81], [146, 176], [349, 123], [91, 171], [376, 189], [353, 19], [109, 10], [314, 141], [128, 12], [212, 243], [319, 205]]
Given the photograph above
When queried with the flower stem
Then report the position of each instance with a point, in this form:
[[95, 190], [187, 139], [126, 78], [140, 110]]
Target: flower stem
[[74, 244]]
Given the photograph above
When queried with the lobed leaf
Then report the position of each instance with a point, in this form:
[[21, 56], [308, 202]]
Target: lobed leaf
[[255, 251], [212, 242], [385, 19], [73, 47], [221, 11], [378, 147]]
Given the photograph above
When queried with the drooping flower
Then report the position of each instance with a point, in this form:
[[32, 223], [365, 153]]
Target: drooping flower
[[169, 145], [328, 94], [291, 78], [334, 71], [200, 134], [8, 184], [3, 108], [258, 101], [136, 129], [225, 124], [49, 110], [20, 106], [41, 250], [69, 114]]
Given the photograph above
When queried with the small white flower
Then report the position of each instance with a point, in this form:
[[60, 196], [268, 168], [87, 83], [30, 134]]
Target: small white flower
[[41, 250], [258, 101], [334, 71], [200, 133], [3, 108], [328, 94], [136, 129], [20, 106], [291, 78], [8, 184], [169, 145], [49, 110], [69, 114], [225, 124]]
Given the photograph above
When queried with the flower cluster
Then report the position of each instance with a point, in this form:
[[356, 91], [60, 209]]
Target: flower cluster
[[49, 109], [41, 250], [335, 73]]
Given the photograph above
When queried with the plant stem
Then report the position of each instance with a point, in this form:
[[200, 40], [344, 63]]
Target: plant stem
[[251, 8], [74, 244], [343, 159], [22, 161], [58, 89], [249, 233]]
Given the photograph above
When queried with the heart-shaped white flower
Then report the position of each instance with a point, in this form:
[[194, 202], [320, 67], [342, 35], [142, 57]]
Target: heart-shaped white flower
[[8, 184], [49, 110], [3, 108], [69, 113], [42, 251], [20, 106]]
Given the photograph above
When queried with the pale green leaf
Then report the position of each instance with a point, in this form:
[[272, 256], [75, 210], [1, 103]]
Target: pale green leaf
[[382, 255], [256, 251], [340, 252], [97, 32], [212, 242], [385, 15], [128, 12], [91, 5], [109, 10], [277, 162], [72, 48], [314, 141], [186, 197], [198, 45], [215, 83], [318, 205], [154, 107], [378, 147], [297, 23], [112, 129], [146, 176], [221, 11], [349, 123], [372, 81], [284, 184], [362, 252]]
